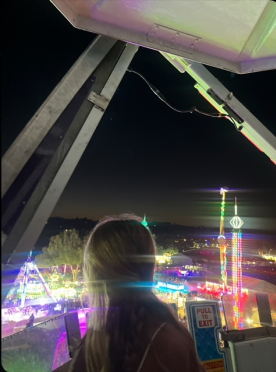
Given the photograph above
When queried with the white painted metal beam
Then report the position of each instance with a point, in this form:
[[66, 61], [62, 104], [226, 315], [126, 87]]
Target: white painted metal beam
[[47, 192], [35, 131], [226, 103], [235, 35]]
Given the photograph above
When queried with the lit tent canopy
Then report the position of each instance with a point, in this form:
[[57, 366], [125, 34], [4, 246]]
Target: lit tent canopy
[[181, 259], [258, 285]]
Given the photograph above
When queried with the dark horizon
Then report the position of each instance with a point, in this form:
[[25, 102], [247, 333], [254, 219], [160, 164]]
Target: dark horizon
[[214, 230]]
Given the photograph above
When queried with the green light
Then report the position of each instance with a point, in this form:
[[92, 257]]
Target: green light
[[144, 223]]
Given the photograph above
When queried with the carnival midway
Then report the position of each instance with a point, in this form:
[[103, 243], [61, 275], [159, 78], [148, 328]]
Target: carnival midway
[[40, 294]]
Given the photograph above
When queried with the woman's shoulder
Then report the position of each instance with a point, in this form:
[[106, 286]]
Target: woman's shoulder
[[173, 337], [174, 350]]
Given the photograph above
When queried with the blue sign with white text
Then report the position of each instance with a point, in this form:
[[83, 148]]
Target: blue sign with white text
[[205, 324]]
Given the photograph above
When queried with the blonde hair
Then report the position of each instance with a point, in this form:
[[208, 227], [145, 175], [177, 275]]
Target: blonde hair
[[119, 260]]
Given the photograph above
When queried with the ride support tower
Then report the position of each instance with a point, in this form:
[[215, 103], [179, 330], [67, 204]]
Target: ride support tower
[[222, 241]]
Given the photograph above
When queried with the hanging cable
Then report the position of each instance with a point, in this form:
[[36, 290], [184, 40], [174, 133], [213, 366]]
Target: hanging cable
[[233, 121], [191, 110]]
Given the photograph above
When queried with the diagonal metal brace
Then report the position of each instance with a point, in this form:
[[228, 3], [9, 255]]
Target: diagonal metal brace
[[46, 192]]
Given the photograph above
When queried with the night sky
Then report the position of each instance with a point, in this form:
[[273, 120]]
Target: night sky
[[143, 157]]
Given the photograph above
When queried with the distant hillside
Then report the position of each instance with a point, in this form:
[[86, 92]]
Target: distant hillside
[[166, 229], [55, 225]]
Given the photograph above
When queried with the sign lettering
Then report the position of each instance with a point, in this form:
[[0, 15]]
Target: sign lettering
[[214, 365], [205, 317]]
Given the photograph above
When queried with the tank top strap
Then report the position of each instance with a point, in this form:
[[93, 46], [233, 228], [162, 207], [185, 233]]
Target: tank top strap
[[147, 350]]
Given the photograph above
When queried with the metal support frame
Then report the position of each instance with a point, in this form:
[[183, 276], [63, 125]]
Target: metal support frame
[[248, 334], [72, 326], [253, 343], [43, 120], [225, 102], [103, 66]]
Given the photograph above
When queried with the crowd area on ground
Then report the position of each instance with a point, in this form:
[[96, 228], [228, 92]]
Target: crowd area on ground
[[17, 313], [13, 311], [170, 279]]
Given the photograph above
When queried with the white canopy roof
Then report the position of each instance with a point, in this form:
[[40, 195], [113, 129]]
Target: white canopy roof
[[182, 259], [236, 35], [258, 285]]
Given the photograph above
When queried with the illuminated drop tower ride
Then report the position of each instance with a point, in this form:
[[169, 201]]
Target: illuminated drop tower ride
[[222, 241], [237, 223]]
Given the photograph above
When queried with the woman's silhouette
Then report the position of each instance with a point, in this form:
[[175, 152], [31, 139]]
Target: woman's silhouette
[[130, 329]]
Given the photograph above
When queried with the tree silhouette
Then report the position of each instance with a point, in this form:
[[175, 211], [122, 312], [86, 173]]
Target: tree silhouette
[[159, 250], [65, 248], [170, 251]]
